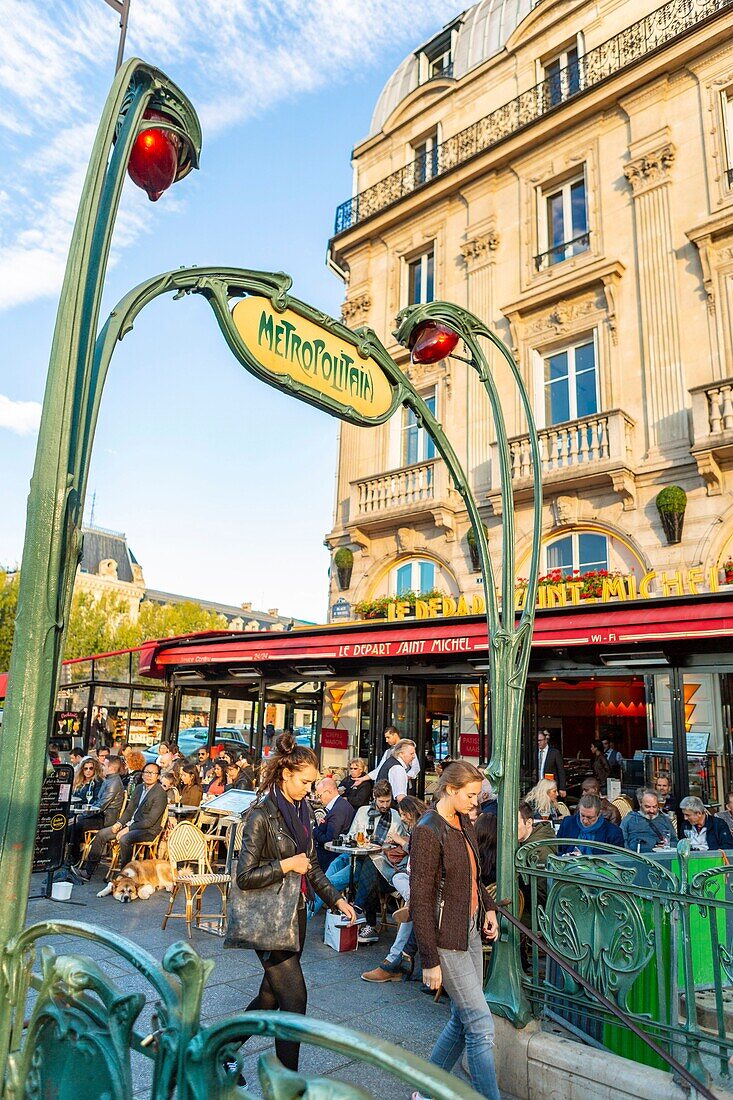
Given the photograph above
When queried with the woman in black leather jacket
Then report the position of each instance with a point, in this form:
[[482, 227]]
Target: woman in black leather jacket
[[278, 841]]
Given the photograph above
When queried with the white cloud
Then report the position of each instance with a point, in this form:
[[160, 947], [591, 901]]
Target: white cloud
[[22, 417], [239, 57]]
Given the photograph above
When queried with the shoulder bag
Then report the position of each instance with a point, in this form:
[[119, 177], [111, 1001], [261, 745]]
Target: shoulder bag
[[266, 919]]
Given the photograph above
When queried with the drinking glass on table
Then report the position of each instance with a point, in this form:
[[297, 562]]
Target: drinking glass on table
[[360, 839]]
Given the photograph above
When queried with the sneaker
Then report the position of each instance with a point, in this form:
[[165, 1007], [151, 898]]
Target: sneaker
[[381, 974], [230, 1067], [368, 934], [81, 872]]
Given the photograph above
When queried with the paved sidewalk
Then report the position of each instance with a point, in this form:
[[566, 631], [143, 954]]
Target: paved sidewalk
[[397, 1011]]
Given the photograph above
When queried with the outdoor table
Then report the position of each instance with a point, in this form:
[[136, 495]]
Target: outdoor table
[[176, 810], [354, 853]]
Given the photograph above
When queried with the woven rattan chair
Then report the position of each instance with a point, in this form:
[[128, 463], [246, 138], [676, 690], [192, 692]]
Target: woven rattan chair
[[623, 805], [562, 809], [192, 872]]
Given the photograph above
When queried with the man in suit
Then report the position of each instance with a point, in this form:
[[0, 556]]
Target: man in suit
[[549, 762], [339, 815], [103, 812], [140, 821]]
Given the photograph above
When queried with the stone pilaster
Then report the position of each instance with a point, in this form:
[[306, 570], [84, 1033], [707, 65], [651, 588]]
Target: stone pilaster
[[479, 256], [649, 176]]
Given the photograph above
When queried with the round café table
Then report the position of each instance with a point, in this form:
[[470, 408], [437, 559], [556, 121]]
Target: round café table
[[354, 853]]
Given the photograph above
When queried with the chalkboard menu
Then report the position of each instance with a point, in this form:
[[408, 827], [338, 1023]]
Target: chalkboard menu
[[53, 817]]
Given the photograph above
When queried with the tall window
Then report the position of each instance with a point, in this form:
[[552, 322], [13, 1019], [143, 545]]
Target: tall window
[[417, 446], [562, 76], [421, 278], [563, 223], [570, 383], [414, 576], [426, 159], [581, 551]]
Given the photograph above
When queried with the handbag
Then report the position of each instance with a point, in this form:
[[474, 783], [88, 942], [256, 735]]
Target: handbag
[[265, 919]]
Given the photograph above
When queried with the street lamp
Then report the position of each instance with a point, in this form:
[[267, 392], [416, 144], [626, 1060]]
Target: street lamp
[[432, 331]]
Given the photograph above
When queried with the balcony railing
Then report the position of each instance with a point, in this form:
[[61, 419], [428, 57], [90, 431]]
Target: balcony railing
[[572, 448], [397, 489], [633, 44], [564, 251]]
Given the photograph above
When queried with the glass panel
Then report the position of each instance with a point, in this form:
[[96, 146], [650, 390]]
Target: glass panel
[[236, 717], [405, 710], [404, 579], [557, 393], [552, 79], [429, 446], [76, 672], [70, 718], [109, 715], [115, 669], [429, 278], [410, 439], [427, 576], [413, 291], [585, 380], [555, 226], [421, 155], [146, 717], [578, 208], [193, 722], [572, 73], [592, 552], [560, 556]]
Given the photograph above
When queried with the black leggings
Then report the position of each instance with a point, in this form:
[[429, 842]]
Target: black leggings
[[283, 987]]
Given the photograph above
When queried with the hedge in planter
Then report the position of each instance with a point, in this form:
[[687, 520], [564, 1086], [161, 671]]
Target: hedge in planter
[[344, 561], [473, 548], [671, 505]]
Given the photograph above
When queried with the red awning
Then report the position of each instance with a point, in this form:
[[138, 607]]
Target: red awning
[[609, 626]]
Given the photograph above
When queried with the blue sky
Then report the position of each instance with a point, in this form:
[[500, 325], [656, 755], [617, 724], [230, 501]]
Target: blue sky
[[223, 486]]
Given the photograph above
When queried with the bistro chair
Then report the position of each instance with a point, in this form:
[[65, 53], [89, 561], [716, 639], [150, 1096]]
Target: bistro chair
[[562, 809], [187, 852], [89, 834], [623, 805], [142, 849]]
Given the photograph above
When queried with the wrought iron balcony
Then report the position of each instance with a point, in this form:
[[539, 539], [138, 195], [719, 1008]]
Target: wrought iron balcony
[[564, 251], [712, 430], [593, 450], [409, 490], [631, 45]]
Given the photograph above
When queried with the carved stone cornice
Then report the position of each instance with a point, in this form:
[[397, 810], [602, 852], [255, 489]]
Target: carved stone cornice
[[356, 309], [478, 250], [651, 169]]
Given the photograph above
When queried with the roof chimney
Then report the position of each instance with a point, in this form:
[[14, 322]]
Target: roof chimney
[[246, 606], [272, 611]]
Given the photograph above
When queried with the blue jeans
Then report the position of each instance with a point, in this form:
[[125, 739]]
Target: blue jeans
[[338, 875], [470, 1025]]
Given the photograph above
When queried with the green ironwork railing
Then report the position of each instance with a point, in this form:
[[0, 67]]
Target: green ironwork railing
[[627, 48], [646, 932]]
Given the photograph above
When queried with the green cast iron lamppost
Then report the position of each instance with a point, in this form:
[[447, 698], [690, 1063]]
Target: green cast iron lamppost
[[150, 129]]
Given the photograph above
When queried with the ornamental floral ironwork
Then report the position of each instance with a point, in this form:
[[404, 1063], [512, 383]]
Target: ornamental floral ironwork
[[635, 43]]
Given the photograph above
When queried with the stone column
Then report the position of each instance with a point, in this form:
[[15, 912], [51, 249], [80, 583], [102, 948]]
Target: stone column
[[649, 175], [479, 255]]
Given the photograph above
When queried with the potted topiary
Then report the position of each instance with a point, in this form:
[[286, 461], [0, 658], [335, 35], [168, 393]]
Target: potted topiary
[[344, 562], [671, 504], [473, 548]]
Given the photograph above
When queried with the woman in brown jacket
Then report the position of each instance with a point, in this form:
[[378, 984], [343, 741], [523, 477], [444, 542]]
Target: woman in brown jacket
[[450, 909]]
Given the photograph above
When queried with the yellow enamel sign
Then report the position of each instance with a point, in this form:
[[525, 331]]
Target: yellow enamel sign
[[288, 344]]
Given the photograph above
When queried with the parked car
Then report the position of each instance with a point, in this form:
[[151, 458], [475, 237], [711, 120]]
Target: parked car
[[193, 738]]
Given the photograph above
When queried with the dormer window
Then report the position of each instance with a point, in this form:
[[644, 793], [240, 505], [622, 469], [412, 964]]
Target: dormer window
[[436, 58]]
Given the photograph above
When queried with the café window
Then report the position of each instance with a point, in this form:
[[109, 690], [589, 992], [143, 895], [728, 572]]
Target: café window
[[562, 229], [414, 576], [581, 551], [421, 278], [570, 383], [561, 76], [417, 446]]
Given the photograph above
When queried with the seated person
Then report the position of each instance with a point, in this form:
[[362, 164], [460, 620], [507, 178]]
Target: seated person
[[237, 778], [357, 794], [647, 829], [543, 798], [609, 811], [135, 762], [337, 820], [588, 826], [705, 832], [191, 789], [668, 804], [216, 781], [87, 780], [140, 821], [169, 783], [103, 812]]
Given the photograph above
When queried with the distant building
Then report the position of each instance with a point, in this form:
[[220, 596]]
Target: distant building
[[109, 566]]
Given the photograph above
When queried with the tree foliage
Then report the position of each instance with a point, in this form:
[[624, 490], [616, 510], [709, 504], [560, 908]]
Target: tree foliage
[[102, 624]]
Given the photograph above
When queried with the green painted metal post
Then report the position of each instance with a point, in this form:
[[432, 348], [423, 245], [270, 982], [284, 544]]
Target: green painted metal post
[[52, 547], [509, 637]]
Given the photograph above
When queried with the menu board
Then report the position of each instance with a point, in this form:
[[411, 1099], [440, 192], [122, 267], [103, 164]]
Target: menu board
[[53, 817]]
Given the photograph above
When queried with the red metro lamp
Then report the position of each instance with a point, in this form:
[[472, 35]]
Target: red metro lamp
[[432, 341], [162, 154]]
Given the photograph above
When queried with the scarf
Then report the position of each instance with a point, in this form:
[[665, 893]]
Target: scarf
[[588, 832], [296, 816]]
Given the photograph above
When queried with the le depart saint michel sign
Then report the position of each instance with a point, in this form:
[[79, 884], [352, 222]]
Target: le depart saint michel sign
[[288, 345]]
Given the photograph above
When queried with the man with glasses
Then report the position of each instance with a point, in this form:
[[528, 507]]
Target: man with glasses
[[140, 821], [104, 811], [203, 762]]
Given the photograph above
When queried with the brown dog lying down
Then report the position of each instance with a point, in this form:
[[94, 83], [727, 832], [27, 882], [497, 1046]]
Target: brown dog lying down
[[140, 879]]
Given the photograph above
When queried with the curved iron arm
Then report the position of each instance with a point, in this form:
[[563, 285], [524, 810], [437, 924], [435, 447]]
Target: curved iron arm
[[509, 640]]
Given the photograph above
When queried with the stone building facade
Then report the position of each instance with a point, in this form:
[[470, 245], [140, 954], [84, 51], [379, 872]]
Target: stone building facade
[[565, 171]]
